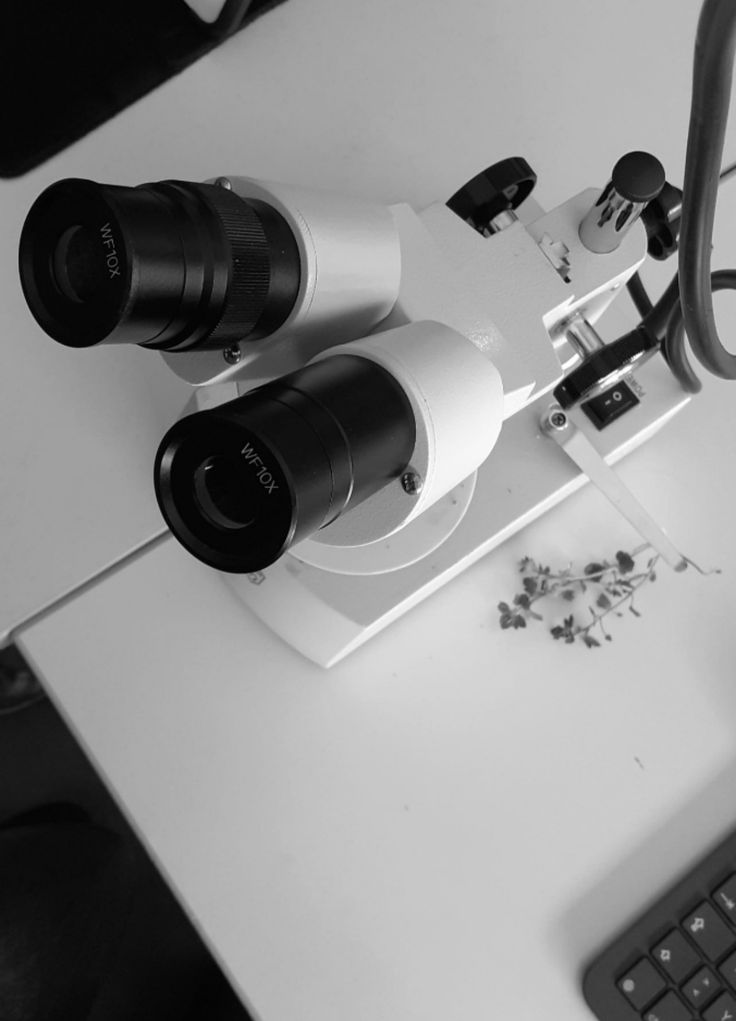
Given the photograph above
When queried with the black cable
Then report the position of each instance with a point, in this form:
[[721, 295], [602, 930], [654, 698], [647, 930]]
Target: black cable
[[638, 294], [656, 320], [674, 342], [714, 55], [673, 350]]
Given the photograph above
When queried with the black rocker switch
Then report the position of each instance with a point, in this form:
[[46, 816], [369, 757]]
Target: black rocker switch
[[608, 406]]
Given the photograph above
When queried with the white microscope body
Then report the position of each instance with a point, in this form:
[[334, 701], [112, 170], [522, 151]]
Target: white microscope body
[[371, 383], [477, 329]]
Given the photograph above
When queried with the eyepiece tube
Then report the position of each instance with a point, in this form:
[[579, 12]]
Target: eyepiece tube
[[173, 266], [242, 483]]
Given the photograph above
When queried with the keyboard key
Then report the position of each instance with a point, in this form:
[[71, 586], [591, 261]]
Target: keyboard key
[[728, 970], [692, 916], [701, 988], [669, 1008], [725, 897], [676, 956], [709, 931], [724, 1009], [642, 984]]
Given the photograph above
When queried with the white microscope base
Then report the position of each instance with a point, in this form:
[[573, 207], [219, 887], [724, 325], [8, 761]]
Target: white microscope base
[[325, 615]]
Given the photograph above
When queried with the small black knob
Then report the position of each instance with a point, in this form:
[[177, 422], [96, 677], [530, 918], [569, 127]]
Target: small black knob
[[638, 177], [500, 187]]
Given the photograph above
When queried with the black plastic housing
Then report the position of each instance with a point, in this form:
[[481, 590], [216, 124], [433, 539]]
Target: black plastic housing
[[626, 352], [662, 221], [240, 484]]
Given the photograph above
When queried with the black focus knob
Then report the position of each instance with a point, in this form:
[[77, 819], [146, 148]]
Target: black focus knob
[[499, 188]]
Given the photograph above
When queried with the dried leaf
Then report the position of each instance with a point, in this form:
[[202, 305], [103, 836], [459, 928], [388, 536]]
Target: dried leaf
[[625, 562], [504, 608], [568, 594], [603, 601], [530, 586], [591, 642], [594, 570]]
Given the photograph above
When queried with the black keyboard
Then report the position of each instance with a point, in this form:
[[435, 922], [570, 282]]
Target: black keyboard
[[677, 962]]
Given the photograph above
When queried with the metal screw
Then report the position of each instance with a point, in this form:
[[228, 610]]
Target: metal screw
[[232, 354], [412, 483], [224, 182], [555, 419]]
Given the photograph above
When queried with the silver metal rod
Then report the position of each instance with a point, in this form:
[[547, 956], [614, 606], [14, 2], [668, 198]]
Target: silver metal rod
[[558, 426], [583, 337]]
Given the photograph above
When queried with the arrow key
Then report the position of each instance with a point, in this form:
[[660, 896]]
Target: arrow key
[[669, 1008], [701, 988], [728, 970]]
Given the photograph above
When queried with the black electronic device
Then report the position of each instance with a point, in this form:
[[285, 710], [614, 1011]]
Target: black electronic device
[[677, 961], [67, 66]]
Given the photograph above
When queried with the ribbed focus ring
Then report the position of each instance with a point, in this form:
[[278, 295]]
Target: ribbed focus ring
[[170, 265], [250, 268]]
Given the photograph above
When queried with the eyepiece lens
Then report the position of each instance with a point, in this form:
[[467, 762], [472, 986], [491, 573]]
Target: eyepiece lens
[[78, 270], [225, 492], [241, 483], [170, 265]]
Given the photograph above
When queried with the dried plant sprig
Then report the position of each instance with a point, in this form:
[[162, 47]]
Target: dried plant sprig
[[611, 589]]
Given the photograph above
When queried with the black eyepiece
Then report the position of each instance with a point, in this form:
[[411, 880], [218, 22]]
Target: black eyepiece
[[173, 266], [240, 484]]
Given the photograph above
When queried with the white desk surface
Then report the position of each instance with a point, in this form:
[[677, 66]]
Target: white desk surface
[[449, 823]]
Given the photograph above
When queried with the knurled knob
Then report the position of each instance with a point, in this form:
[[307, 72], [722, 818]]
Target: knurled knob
[[496, 189]]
